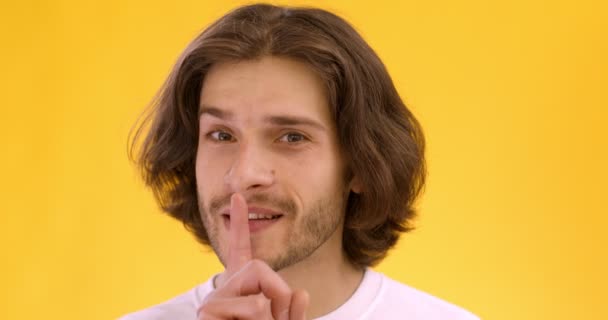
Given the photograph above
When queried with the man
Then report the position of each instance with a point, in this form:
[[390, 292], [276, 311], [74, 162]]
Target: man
[[280, 141]]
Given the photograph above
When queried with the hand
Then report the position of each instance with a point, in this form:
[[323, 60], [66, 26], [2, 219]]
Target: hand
[[253, 290]]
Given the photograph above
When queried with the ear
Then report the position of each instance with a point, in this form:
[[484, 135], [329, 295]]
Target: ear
[[355, 185]]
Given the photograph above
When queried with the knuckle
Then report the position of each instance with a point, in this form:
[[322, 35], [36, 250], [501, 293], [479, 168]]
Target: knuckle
[[259, 303], [260, 306]]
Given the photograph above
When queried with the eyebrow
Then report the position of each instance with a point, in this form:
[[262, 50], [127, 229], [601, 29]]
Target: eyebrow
[[215, 112], [279, 120], [294, 121]]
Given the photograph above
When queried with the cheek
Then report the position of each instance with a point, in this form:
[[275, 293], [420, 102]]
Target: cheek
[[209, 174], [315, 176], [211, 163]]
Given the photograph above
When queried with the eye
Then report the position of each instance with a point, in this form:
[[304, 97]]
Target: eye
[[292, 137], [221, 136]]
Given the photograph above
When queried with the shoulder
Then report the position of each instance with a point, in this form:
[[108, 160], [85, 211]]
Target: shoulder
[[183, 306], [400, 299]]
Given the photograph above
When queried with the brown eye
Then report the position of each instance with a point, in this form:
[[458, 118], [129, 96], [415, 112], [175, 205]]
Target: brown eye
[[221, 136], [292, 137]]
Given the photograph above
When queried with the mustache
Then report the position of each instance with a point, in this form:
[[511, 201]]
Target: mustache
[[284, 205]]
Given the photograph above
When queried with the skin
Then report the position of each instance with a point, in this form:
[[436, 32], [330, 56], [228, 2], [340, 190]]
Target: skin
[[268, 143]]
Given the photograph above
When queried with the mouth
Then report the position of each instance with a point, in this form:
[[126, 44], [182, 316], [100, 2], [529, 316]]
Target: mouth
[[259, 219], [257, 216]]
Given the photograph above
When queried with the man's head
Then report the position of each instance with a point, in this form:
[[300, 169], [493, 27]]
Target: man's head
[[265, 131], [291, 108]]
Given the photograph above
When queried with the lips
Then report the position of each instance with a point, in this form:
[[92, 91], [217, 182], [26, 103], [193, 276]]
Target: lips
[[259, 218]]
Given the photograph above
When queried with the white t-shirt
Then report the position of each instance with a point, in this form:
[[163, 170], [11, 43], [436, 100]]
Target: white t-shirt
[[377, 298]]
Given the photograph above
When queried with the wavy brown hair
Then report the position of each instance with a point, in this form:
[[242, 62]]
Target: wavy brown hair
[[382, 141]]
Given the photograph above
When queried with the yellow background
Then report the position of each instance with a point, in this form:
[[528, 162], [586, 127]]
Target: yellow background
[[512, 95]]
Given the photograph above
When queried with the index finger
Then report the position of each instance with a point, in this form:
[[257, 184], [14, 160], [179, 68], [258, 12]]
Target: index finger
[[239, 251]]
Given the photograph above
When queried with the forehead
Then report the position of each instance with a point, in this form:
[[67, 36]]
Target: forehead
[[264, 87]]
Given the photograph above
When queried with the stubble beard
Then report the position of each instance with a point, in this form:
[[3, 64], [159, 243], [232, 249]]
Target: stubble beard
[[314, 229]]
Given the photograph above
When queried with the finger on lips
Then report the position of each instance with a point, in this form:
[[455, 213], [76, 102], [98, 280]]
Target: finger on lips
[[239, 252], [251, 283]]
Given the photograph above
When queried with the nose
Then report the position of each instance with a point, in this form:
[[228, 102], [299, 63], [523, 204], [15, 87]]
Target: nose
[[249, 170]]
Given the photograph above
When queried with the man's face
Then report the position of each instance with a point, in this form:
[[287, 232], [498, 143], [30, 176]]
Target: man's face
[[266, 132]]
